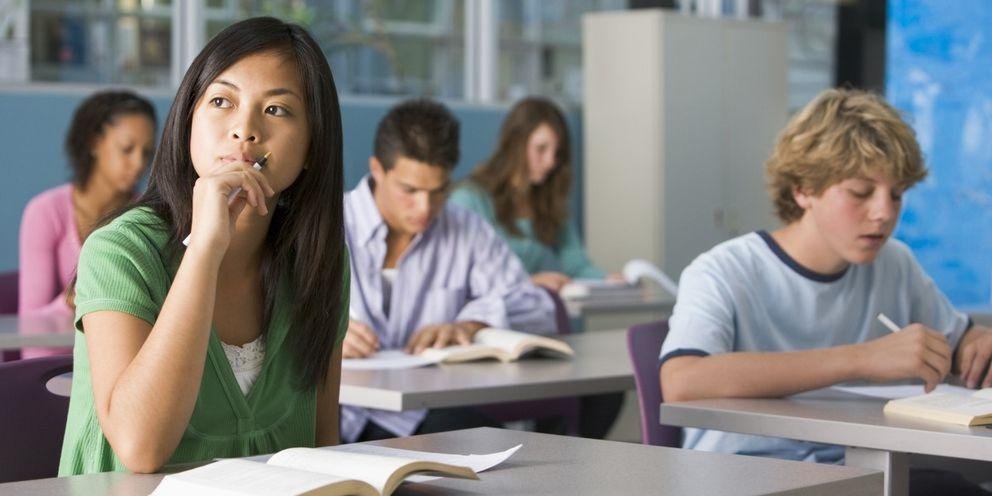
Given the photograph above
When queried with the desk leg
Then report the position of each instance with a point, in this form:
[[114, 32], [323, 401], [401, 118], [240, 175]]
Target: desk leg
[[895, 466]]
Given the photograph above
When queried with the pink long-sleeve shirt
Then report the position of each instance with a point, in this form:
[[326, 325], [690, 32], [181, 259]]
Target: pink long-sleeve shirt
[[49, 249]]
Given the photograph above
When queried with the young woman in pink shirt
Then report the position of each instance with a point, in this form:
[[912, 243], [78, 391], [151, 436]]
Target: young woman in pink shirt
[[109, 145]]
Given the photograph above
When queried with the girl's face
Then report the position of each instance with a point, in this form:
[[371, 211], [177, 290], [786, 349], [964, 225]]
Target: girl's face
[[255, 106], [122, 151], [542, 150]]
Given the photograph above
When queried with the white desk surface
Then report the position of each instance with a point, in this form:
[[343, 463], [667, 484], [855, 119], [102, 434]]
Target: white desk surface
[[600, 365], [871, 438], [835, 418], [20, 332], [559, 465]]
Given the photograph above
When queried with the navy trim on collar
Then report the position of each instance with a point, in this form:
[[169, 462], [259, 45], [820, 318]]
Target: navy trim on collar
[[796, 266]]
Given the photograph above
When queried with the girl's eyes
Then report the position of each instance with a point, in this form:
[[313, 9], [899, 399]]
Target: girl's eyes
[[220, 102], [276, 110]]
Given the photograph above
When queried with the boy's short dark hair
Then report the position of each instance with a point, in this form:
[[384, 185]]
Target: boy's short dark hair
[[419, 129]]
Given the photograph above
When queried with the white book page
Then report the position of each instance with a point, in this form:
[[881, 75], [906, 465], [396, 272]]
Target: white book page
[[894, 392], [240, 477], [637, 269], [387, 360], [953, 402], [461, 353], [373, 469], [578, 289], [504, 339], [479, 463]]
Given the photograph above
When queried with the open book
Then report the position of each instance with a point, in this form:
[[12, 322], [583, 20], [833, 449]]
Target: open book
[[501, 344], [634, 272], [344, 470], [960, 406]]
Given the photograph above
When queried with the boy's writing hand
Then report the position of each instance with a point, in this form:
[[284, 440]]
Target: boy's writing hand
[[441, 335], [973, 355], [360, 341], [915, 351]]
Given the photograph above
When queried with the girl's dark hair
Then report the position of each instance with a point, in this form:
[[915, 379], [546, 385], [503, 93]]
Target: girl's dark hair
[[89, 122], [548, 200], [306, 237]]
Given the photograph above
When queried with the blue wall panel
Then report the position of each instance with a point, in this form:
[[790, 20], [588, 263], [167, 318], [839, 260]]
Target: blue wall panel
[[938, 59]]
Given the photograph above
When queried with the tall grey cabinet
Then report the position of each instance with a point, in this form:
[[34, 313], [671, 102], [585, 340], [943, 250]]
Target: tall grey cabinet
[[679, 115]]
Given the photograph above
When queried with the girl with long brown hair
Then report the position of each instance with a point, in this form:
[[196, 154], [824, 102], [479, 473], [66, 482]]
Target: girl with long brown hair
[[524, 189]]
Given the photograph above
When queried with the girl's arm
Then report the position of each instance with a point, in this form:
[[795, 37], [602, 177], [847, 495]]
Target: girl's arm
[[328, 422], [146, 378], [39, 286]]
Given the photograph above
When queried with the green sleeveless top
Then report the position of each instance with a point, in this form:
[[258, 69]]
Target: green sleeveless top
[[123, 267]]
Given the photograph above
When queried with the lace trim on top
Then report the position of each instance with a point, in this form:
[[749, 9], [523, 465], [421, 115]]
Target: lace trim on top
[[246, 362]]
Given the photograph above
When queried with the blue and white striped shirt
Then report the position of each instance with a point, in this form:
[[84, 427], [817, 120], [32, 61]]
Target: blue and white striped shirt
[[459, 269]]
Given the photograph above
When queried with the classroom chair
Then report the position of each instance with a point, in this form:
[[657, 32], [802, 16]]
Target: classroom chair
[[567, 408], [32, 419], [8, 292], [643, 346], [8, 305]]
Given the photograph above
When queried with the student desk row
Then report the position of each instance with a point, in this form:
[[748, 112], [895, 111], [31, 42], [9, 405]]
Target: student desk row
[[553, 465], [23, 332], [873, 439], [602, 313], [600, 365]]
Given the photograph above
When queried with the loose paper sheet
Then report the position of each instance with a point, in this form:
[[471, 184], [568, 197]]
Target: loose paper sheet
[[387, 360], [892, 392]]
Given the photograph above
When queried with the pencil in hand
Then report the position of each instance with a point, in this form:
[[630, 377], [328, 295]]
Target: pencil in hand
[[259, 163]]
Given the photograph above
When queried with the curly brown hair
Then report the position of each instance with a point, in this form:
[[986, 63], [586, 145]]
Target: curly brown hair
[[89, 122], [839, 135]]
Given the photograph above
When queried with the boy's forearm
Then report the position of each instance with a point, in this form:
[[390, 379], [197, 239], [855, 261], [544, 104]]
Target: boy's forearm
[[758, 374]]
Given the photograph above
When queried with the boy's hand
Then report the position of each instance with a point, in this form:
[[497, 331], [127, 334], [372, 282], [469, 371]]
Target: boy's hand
[[973, 355], [360, 341], [915, 351], [441, 335]]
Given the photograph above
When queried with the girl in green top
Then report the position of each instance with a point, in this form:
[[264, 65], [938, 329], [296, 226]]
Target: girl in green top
[[523, 191], [266, 266]]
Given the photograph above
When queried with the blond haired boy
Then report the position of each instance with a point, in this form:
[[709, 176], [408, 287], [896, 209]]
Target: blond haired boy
[[773, 314]]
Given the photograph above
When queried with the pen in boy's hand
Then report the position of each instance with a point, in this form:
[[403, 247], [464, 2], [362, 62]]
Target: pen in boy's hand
[[259, 163], [887, 322]]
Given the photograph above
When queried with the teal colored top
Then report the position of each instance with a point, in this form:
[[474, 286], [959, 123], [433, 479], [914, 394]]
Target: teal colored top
[[123, 267], [568, 256]]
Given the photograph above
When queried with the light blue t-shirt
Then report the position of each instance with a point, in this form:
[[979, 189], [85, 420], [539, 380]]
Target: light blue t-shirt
[[747, 294]]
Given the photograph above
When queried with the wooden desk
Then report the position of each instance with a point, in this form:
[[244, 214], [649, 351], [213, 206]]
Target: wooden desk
[[600, 365], [559, 465], [873, 439], [42, 331]]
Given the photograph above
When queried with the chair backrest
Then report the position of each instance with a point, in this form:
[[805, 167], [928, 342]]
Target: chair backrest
[[562, 320], [8, 292], [32, 419], [643, 346]]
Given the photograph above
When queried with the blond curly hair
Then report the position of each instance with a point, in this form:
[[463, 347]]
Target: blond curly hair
[[839, 135]]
